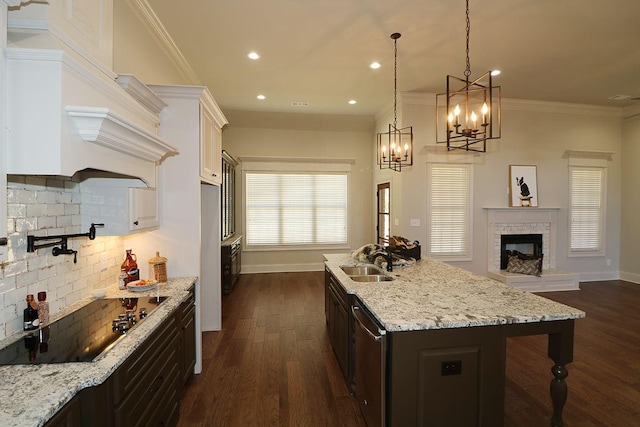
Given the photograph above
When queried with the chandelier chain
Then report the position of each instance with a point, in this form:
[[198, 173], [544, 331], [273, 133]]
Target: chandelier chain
[[395, 81], [467, 71]]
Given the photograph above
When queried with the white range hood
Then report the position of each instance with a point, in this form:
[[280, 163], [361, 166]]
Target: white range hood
[[63, 118]]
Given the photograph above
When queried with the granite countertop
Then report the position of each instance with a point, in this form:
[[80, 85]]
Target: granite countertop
[[32, 394], [434, 295]]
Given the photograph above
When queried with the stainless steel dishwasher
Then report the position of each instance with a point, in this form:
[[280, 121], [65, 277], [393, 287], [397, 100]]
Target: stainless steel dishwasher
[[370, 365]]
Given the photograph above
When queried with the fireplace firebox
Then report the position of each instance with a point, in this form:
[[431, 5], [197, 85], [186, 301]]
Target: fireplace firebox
[[530, 244]]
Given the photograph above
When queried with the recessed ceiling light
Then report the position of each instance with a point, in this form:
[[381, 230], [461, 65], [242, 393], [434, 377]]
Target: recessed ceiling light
[[253, 55], [353, 101], [375, 65], [495, 72], [261, 97]]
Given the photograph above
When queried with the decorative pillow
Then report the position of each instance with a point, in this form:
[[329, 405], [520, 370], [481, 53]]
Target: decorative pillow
[[525, 264]]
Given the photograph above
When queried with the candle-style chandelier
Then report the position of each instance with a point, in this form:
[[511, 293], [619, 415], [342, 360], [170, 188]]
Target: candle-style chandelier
[[472, 109], [395, 147]]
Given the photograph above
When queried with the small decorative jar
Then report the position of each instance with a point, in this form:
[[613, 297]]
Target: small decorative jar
[[158, 268]]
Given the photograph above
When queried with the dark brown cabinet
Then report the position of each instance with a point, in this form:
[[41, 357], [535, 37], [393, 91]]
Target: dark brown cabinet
[[337, 306], [231, 253], [146, 389], [187, 313], [228, 197], [69, 416]]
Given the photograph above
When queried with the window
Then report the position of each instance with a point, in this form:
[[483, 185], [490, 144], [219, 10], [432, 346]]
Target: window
[[586, 218], [295, 208], [449, 211], [384, 213]]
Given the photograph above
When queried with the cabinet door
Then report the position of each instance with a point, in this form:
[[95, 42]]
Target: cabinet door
[[143, 209], [188, 337], [216, 154], [210, 148]]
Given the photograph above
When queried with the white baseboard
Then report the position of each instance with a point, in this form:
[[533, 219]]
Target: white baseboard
[[630, 277], [599, 276], [281, 268]]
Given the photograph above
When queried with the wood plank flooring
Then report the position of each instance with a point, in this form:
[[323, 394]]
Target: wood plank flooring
[[272, 364]]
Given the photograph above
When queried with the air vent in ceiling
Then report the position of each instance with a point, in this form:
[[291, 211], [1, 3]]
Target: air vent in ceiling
[[299, 104]]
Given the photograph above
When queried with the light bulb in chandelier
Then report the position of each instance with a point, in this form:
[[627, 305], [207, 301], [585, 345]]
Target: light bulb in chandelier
[[390, 144], [471, 108]]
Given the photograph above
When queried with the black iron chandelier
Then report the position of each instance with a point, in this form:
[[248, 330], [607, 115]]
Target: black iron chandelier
[[468, 114], [395, 147]]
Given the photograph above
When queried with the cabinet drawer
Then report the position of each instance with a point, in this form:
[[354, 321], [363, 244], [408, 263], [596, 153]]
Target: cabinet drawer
[[150, 390], [145, 360], [338, 289]]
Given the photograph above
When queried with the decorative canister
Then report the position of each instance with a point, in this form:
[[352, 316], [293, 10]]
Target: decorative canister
[[158, 268]]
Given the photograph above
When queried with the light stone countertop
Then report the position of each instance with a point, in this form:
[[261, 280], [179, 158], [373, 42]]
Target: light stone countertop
[[434, 295], [32, 394]]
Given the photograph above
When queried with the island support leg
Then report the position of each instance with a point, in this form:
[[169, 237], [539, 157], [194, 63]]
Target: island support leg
[[561, 352], [558, 394]]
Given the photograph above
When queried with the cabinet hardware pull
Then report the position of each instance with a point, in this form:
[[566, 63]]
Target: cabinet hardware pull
[[3, 241], [136, 222], [156, 384]]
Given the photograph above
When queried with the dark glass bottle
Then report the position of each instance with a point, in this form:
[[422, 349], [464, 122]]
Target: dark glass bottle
[[130, 266], [30, 317]]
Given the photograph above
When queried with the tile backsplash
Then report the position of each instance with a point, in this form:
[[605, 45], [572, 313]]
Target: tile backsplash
[[41, 206]]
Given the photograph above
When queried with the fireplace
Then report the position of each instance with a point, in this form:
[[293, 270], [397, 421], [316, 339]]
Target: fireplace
[[530, 244], [520, 224]]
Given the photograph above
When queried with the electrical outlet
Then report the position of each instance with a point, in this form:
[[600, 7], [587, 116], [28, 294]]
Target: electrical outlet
[[608, 263], [451, 367], [415, 222]]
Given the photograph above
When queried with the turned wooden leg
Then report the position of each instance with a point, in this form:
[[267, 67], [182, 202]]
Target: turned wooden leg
[[558, 394]]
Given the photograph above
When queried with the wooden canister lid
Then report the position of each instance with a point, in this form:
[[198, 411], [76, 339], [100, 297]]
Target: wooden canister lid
[[157, 259]]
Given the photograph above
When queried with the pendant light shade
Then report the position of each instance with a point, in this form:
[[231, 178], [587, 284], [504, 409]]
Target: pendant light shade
[[395, 147], [468, 114]]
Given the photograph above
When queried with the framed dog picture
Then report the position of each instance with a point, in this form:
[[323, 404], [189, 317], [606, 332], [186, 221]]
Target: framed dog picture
[[523, 185]]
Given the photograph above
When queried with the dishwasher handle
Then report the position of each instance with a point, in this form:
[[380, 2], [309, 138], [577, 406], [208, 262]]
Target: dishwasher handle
[[356, 316]]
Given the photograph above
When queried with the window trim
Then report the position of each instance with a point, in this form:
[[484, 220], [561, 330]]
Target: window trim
[[586, 165], [468, 255], [296, 165]]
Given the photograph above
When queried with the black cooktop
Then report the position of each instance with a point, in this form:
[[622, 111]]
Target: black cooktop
[[82, 335]]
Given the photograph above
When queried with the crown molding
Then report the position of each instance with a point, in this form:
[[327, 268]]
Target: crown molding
[[149, 17]]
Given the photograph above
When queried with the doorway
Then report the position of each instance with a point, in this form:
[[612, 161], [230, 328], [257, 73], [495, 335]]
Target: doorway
[[383, 228]]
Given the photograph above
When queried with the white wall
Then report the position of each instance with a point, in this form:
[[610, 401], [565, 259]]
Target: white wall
[[304, 136], [533, 133], [629, 265], [138, 50]]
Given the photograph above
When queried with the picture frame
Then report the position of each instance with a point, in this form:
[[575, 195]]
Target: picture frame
[[523, 186]]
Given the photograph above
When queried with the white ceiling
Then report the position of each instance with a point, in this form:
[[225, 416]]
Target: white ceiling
[[319, 51]]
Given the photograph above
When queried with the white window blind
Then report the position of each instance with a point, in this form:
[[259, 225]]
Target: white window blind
[[587, 209], [449, 202], [295, 209]]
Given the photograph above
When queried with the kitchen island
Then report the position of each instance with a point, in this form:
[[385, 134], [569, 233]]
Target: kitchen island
[[33, 394], [439, 316]]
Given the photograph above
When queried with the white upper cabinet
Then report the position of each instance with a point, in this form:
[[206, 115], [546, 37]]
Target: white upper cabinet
[[193, 121], [210, 147], [84, 26], [125, 206]]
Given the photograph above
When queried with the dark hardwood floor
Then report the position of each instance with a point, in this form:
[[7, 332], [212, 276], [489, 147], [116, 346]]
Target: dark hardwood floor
[[272, 364]]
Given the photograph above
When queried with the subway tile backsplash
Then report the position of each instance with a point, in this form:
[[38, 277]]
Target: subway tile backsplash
[[41, 206]]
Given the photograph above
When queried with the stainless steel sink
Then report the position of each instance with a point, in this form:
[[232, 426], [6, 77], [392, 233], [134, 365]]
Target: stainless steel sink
[[361, 270], [371, 278]]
